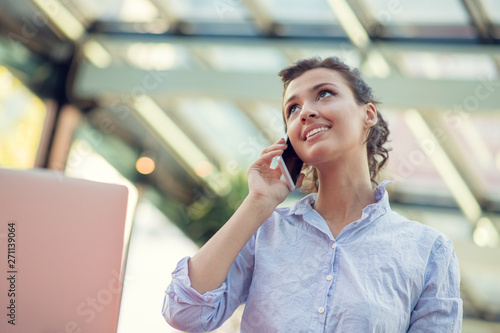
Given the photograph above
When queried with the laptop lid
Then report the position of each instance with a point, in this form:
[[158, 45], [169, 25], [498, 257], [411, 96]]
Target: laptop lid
[[61, 249]]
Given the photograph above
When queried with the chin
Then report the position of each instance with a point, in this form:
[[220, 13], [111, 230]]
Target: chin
[[314, 162], [322, 158]]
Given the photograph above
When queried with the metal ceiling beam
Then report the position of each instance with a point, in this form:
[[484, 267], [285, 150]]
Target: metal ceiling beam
[[262, 18], [479, 19], [298, 43], [350, 22], [366, 17], [167, 13], [61, 20], [455, 98], [352, 18]]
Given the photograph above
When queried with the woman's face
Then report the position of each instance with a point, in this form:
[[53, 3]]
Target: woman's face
[[323, 118]]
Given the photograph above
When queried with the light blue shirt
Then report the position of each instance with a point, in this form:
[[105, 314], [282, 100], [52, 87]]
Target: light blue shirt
[[383, 273]]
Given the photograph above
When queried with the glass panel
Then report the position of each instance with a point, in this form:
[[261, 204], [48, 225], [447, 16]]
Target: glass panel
[[298, 11], [241, 58], [218, 10], [408, 165], [447, 66], [93, 9], [138, 11], [492, 8], [347, 52], [153, 56], [422, 12], [478, 139], [22, 117], [148, 56], [223, 129], [118, 10]]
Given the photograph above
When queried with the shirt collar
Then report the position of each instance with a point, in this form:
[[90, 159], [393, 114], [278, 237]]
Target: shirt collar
[[305, 204]]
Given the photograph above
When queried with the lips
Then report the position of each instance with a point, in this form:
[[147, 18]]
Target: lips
[[313, 129]]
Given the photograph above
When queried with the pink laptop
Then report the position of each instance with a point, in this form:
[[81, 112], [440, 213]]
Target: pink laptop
[[61, 251]]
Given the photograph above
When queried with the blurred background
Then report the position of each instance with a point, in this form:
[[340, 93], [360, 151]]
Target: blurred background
[[176, 98]]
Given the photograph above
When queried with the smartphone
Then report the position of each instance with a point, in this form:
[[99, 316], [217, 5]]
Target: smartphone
[[290, 165]]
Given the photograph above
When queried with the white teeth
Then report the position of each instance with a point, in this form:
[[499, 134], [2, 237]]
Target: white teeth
[[316, 130]]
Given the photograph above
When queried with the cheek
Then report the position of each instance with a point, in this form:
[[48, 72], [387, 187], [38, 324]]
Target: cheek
[[351, 118], [291, 126]]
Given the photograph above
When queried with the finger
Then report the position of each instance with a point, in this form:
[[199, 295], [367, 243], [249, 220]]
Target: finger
[[267, 158], [280, 144], [264, 161]]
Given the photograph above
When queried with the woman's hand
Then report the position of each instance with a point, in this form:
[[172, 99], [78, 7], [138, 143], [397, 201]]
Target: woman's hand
[[209, 267], [264, 182]]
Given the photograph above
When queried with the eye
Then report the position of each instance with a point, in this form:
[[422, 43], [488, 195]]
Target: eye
[[291, 110], [325, 93]]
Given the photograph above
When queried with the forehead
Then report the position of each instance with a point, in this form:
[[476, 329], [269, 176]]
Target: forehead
[[311, 78]]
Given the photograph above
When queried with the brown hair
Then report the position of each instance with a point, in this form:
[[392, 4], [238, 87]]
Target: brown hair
[[377, 136]]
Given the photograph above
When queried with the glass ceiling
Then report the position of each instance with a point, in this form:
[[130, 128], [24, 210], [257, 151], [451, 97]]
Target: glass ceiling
[[117, 39], [419, 13], [228, 10], [300, 12], [428, 19]]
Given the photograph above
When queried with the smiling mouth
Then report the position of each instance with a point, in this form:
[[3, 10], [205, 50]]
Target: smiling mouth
[[316, 130]]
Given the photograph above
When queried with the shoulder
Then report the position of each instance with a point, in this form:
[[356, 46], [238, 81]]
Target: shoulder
[[402, 229], [431, 250], [419, 252], [416, 235]]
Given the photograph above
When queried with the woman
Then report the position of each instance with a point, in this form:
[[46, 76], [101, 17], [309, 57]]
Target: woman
[[339, 260]]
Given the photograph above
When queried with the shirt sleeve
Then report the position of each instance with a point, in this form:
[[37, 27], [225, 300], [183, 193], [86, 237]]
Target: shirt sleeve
[[439, 308], [186, 309]]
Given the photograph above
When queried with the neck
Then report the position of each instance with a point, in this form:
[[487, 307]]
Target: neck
[[343, 193]]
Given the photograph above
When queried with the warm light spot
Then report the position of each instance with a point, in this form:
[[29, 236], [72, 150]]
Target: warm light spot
[[481, 237], [203, 168], [485, 233], [145, 165]]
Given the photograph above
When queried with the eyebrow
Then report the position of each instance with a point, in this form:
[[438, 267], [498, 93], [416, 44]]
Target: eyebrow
[[319, 85]]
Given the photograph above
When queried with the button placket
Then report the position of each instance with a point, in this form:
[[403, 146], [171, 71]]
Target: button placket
[[329, 277]]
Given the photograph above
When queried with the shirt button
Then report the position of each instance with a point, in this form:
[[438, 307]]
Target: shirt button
[[321, 309], [329, 277], [334, 245]]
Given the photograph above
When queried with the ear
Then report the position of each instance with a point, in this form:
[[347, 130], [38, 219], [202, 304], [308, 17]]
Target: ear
[[370, 115]]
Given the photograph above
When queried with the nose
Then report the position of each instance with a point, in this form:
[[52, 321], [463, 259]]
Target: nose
[[307, 113]]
